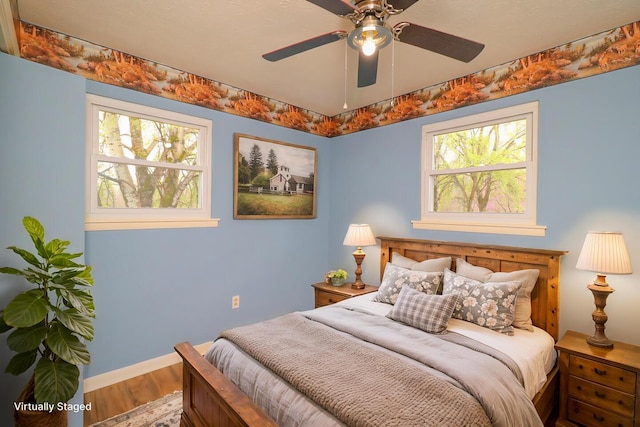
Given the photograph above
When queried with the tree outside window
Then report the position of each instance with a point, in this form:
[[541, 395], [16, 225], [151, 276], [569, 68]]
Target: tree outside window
[[146, 163], [479, 173]]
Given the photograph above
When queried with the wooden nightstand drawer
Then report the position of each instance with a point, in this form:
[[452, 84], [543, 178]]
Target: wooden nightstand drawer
[[592, 416], [601, 396], [604, 374], [327, 294], [599, 386], [326, 298]]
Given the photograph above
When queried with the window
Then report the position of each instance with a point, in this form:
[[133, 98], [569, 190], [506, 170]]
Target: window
[[146, 168], [479, 173]]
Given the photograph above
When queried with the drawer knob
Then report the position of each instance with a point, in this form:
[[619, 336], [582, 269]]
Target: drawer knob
[[598, 418], [579, 388], [600, 395], [599, 371]]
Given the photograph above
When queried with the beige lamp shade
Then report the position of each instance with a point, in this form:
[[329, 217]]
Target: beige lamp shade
[[604, 252], [359, 235]]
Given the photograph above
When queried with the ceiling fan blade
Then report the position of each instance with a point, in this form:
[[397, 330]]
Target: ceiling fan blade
[[339, 7], [436, 41], [303, 46], [403, 4], [367, 69]]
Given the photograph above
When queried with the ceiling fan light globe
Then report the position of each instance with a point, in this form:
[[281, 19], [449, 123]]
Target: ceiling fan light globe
[[369, 47], [379, 36]]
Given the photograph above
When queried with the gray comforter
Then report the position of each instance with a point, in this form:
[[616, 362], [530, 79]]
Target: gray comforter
[[466, 382]]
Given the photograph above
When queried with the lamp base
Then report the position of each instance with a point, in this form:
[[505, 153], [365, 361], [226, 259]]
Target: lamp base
[[359, 255], [358, 284], [600, 290], [603, 342]]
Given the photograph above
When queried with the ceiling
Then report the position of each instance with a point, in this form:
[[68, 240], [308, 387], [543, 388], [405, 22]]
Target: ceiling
[[224, 40]]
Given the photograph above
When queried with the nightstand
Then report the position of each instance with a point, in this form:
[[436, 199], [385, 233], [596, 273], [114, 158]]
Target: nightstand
[[598, 386], [327, 294]]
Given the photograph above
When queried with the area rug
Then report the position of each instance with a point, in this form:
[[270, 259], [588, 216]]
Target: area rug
[[164, 412]]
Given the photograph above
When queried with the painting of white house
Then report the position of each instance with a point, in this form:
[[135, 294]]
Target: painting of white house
[[273, 179]]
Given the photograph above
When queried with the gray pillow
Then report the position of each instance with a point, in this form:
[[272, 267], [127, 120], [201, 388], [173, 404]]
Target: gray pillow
[[529, 277], [490, 304], [394, 278], [431, 313], [434, 265]]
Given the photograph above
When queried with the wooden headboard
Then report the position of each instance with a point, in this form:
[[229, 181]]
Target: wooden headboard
[[544, 297]]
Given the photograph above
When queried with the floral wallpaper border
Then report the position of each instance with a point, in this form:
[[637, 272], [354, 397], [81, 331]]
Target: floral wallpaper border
[[599, 53]]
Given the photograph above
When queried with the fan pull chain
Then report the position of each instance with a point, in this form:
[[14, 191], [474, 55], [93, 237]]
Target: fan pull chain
[[393, 68], [345, 106]]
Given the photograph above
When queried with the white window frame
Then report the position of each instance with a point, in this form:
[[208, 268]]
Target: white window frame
[[145, 218], [499, 223]]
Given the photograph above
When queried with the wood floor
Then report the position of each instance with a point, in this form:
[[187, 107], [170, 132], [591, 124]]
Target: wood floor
[[121, 397]]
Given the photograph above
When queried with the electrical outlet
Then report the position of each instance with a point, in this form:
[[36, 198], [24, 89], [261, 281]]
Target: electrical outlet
[[235, 301]]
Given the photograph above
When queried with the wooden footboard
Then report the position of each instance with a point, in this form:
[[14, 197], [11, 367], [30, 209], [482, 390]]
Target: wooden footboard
[[211, 400]]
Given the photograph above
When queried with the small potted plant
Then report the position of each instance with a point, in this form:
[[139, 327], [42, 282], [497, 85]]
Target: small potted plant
[[337, 277], [48, 325]]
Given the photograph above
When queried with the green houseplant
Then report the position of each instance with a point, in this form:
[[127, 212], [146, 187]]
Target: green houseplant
[[337, 276], [48, 324]]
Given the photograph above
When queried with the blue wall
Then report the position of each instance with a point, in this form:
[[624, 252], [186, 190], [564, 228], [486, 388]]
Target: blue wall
[[589, 146], [41, 170], [155, 288]]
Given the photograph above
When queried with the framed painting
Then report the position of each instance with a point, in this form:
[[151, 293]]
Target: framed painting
[[273, 179]]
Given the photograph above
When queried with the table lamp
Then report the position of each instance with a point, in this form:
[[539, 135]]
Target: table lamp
[[603, 253], [359, 235]]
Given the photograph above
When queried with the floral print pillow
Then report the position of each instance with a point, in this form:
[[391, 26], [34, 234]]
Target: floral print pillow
[[490, 304], [395, 278]]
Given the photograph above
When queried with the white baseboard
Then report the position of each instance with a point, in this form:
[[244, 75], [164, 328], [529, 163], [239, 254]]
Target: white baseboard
[[118, 375]]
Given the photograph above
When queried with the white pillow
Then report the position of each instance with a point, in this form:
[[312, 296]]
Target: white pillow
[[528, 278]]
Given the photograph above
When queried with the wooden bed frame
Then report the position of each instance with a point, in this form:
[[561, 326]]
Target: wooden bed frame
[[210, 399]]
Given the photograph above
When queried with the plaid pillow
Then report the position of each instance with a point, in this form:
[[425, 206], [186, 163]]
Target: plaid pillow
[[431, 313]]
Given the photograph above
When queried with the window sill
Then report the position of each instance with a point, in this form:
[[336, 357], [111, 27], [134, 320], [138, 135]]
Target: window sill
[[518, 229], [147, 224]]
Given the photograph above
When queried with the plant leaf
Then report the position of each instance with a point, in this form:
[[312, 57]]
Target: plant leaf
[[32, 276], [62, 261], [3, 326], [27, 256], [66, 345], [55, 381], [64, 276], [27, 339], [36, 232], [33, 227], [57, 246], [26, 309], [85, 278], [11, 270], [80, 300], [21, 362], [76, 322]]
